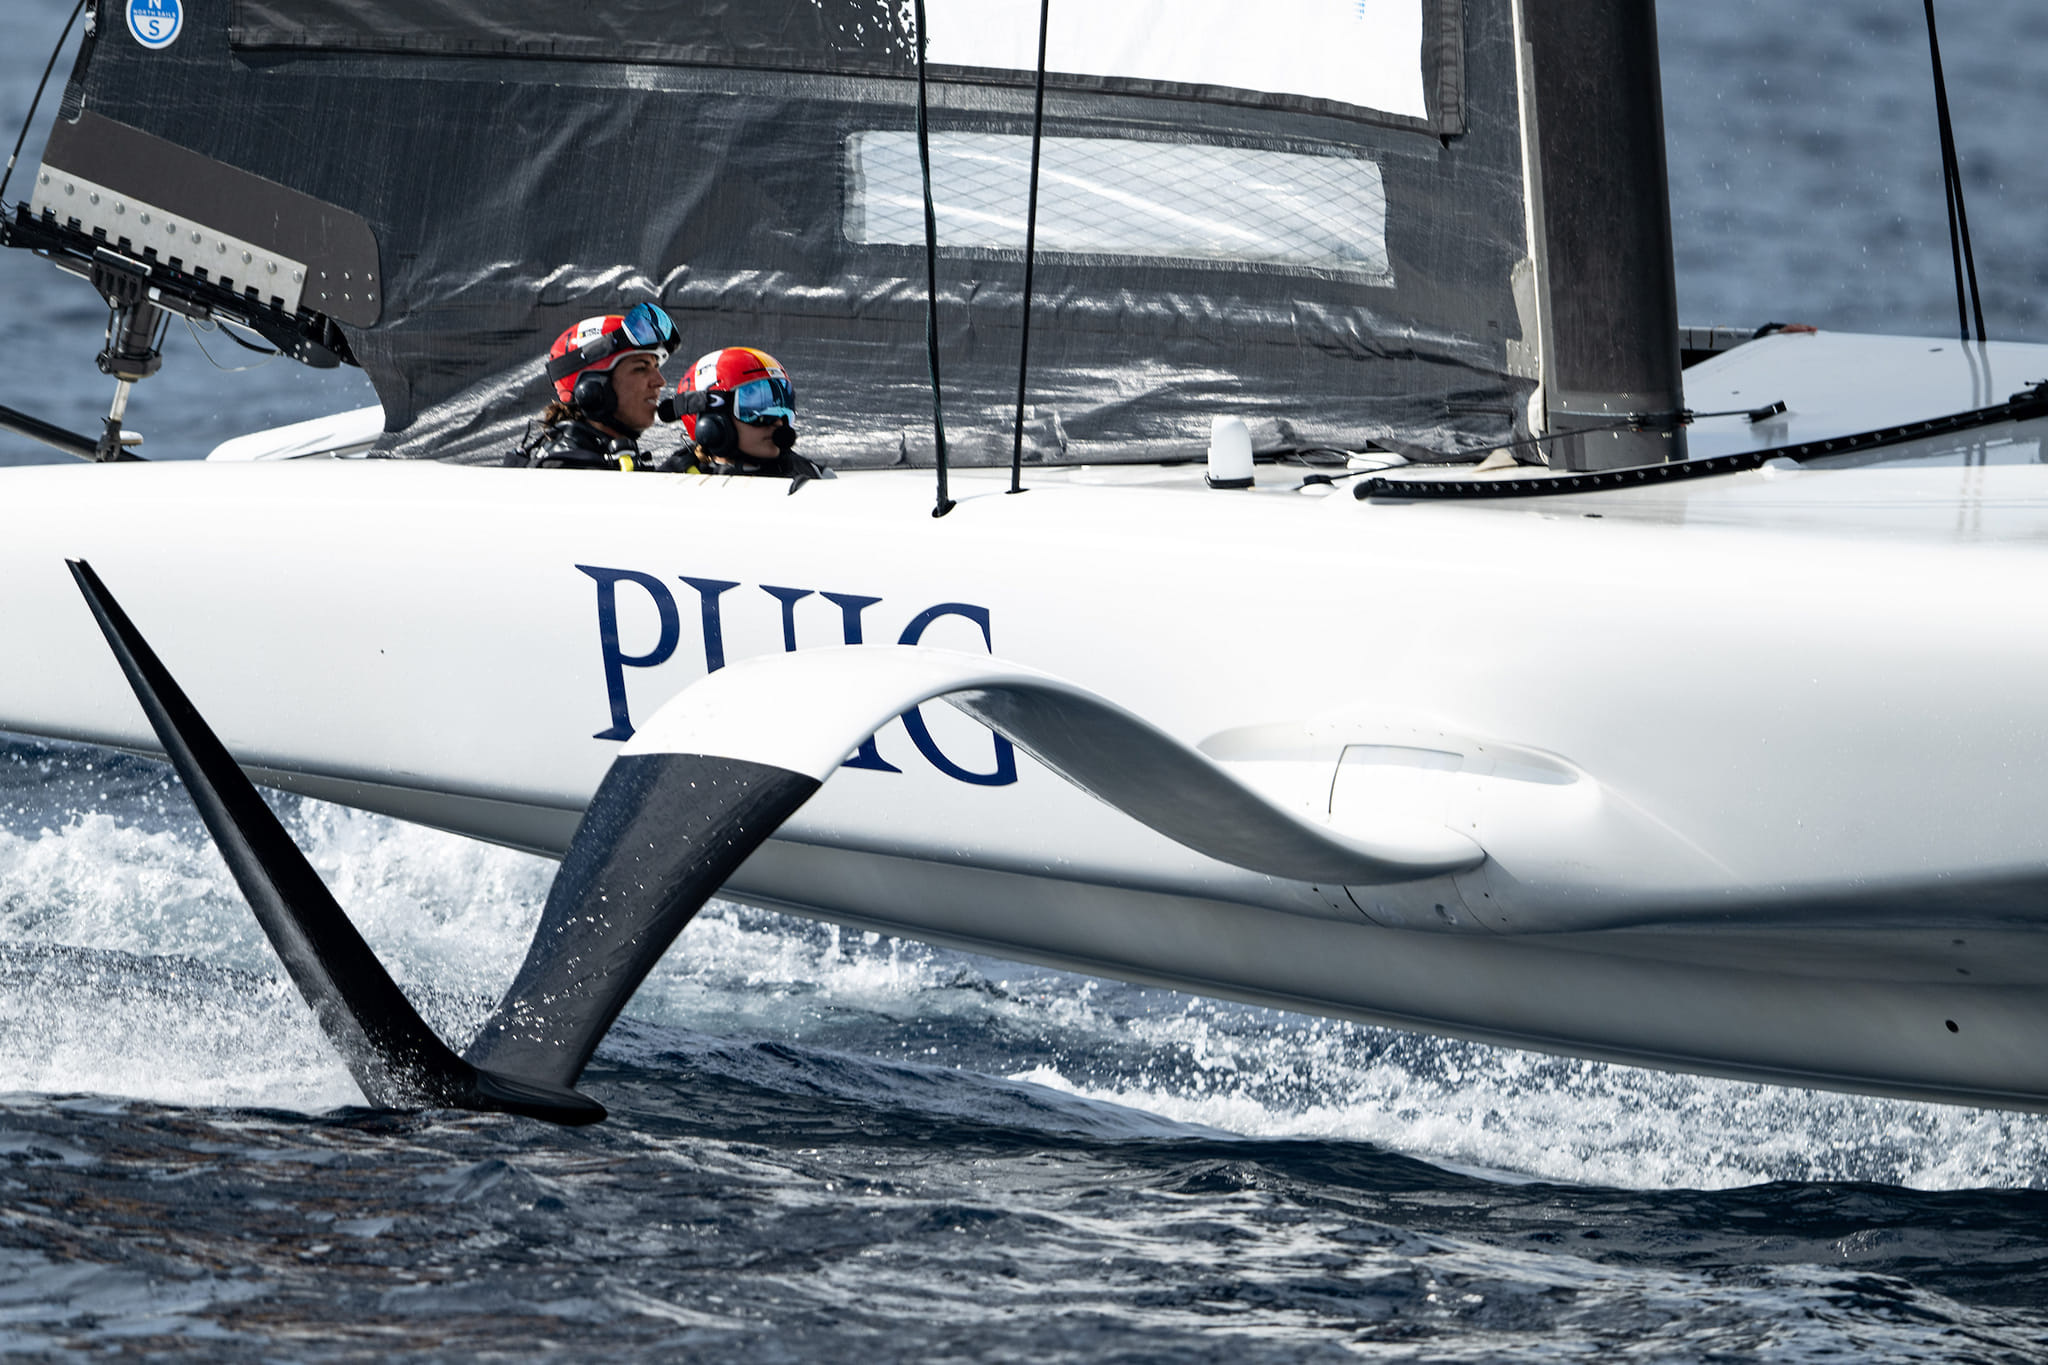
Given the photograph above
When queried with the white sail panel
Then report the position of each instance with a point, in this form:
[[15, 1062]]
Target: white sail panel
[[1366, 53], [1116, 196]]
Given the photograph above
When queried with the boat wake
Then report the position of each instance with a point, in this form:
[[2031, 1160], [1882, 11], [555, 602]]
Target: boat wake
[[129, 966]]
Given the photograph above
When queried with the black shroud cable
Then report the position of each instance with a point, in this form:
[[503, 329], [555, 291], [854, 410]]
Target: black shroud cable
[[1030, 251], [1970, 302], [931, 265], [28, 121]]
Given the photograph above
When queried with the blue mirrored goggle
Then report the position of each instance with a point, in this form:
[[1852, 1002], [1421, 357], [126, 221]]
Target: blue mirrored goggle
[[648, 324], [761, 400]]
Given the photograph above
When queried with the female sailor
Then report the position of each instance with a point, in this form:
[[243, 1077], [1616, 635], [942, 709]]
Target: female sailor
[[607, 376], [739, 407]]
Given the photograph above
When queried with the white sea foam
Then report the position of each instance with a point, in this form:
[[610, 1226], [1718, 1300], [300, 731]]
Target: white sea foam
[[96, 882], [1586, 1123]]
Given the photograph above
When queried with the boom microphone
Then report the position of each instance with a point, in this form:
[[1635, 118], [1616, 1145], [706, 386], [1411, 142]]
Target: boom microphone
[[677, 406]]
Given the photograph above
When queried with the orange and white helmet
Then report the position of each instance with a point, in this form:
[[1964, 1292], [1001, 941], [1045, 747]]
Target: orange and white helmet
[[752, 385]]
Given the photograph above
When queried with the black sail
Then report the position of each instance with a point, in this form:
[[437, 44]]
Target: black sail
[[1333, 272]]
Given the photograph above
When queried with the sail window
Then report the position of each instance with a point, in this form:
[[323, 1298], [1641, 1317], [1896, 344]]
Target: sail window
[[1119, 197]]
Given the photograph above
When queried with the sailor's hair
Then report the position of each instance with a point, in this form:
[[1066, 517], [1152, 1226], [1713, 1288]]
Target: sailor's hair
[[538, 435]]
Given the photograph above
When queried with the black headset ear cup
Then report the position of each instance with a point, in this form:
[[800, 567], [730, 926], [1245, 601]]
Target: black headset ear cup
[[594, 396], [716, 436]]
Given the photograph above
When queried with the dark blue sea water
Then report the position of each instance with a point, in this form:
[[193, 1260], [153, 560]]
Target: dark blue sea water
[[826, 1144]]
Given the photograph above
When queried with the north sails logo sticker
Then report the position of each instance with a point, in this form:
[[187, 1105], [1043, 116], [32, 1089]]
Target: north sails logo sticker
[[155, 23]]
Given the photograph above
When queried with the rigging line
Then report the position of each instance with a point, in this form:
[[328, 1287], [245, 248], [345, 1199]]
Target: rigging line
[[1544, 438], [931, 265], [1948, 191], [1444, 458], [1030, 250], [1970, 301], [222, 326], [1313, 480], [1636, 421], [29, 121], [267, 355]]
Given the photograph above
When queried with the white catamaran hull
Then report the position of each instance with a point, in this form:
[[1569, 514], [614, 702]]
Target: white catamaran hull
[[1757, 794]]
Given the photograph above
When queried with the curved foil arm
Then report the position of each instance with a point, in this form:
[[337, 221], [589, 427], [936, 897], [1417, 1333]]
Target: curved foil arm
[[774, 710], [719, 768]]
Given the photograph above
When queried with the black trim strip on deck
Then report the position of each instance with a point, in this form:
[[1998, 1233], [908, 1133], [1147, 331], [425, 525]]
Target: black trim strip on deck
[[2020, 407]]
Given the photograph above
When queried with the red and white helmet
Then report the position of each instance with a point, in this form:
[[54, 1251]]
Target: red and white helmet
[[595, 345], [758, 386]]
